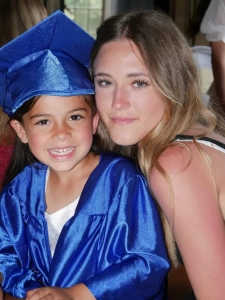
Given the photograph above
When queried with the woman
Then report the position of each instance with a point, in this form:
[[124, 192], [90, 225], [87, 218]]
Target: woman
[[148, 95]]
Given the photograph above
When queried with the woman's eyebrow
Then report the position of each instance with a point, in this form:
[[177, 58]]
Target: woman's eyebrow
[[137, 74], [102, 74]]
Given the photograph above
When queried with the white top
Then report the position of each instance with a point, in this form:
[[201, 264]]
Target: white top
[[58, 219], [213, 22]]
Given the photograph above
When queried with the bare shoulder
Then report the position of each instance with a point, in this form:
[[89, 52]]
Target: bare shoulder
[[184, 158], [176, 156], [187, 175], [179, 159]]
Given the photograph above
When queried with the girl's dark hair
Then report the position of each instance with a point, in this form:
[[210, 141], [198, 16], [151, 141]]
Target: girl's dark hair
[[22, 156]]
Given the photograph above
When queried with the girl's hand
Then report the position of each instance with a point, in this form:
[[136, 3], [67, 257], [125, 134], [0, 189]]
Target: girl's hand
[[77, 292], [50, 293]]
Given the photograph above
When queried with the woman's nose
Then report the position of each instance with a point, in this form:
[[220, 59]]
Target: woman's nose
[[120, 100]]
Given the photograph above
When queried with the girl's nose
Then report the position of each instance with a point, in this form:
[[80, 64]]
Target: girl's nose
[[61, 133]]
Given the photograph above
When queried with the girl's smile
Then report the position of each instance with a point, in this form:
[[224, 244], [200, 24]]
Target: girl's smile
[[62, 153]]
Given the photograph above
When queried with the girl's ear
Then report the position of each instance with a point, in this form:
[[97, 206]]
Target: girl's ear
[[18, 127], [95, 122]]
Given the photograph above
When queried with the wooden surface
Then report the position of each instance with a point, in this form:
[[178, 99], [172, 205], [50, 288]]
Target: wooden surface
[[179, 287], [8, 297]]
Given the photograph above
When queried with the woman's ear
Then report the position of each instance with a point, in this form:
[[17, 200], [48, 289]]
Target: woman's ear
[[95, 122], [20, 131]]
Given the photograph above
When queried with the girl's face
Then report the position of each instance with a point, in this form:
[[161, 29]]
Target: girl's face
[[59, 131], [127, 102]]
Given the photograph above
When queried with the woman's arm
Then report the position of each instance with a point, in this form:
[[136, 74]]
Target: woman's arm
[[198, 224]]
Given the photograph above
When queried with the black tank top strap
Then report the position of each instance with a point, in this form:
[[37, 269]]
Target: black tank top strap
[[207, 139]]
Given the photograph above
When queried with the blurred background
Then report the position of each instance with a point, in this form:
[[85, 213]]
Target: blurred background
[[90, 13]]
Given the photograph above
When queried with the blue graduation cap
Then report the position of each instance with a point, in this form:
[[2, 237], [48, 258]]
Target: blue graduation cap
[[51, 58]]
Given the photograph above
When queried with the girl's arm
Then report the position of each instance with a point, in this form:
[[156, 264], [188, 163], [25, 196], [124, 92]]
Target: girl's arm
[[198, 223], [17, 275]]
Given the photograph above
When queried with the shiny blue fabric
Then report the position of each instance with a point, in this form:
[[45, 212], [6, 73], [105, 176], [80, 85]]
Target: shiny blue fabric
[[113, 244], [52, 58]]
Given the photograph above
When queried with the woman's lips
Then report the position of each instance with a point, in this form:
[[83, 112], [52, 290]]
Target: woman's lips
[[122, 120]]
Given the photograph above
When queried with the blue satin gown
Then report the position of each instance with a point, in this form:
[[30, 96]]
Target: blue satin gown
[[113, 244]]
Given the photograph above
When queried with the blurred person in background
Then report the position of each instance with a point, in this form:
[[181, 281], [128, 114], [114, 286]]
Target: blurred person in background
[[213, 26], [208, 19], [16, 16]]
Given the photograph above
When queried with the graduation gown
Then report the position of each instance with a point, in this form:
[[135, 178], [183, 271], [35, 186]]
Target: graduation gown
[[113, 244]]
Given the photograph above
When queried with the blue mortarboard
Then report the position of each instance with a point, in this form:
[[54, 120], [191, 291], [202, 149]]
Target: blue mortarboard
[[52, 58]]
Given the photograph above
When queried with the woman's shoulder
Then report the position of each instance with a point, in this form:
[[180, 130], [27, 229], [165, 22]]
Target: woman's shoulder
[[183, 164], [184, 152], [176, 156]]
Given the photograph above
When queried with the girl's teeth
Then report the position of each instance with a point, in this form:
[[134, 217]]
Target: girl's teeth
[[62, 152]]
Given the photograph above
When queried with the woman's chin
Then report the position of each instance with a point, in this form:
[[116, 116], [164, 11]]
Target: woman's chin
[[124, 140]]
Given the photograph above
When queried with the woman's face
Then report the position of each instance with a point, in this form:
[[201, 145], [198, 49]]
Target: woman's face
[[127, 101]]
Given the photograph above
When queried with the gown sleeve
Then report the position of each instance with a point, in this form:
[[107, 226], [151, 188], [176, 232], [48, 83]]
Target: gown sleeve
[[15, 268], [134, 243]]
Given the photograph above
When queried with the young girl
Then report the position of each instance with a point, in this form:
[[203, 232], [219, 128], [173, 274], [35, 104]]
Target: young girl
[[148, 95], [74, 224]]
